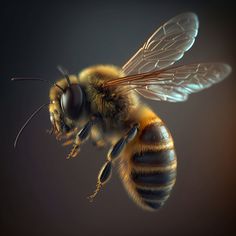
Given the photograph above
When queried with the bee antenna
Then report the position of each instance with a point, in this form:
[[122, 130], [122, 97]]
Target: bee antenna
[[27, 122], [65, 73], [38, 79]]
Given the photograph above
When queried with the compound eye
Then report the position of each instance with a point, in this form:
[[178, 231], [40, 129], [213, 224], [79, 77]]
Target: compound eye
[[72, 101]]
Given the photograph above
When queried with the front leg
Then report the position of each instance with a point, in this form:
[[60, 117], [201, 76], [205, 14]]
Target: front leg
[[83, 135]]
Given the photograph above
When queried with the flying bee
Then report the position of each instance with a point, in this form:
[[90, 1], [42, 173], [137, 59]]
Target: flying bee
[[103, 103]]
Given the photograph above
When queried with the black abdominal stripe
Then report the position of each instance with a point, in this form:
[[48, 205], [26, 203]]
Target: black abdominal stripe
[[154, 171]]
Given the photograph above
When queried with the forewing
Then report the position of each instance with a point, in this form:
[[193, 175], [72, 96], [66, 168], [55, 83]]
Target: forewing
[[174, 84], [165, 46]]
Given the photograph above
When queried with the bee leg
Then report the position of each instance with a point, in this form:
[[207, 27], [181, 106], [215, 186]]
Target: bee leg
[[103, 177], [69, 134], [132, 133], [68, 142], [74, 151], [82, 136], [106, 171], [116, 150]]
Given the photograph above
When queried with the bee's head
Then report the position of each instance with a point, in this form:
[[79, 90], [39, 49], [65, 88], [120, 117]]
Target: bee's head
[[67, 103]]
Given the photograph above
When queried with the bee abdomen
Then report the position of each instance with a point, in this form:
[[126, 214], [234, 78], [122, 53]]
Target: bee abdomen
[[152, 167], [155, 179], [153, 175], [152, 194], [153, 198], [160, 158], [155, 133]]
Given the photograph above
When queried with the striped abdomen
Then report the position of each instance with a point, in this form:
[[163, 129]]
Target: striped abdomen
[[148, 165]]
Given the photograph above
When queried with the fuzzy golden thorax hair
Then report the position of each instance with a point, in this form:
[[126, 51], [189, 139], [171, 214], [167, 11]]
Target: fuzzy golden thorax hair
[[115, 104]]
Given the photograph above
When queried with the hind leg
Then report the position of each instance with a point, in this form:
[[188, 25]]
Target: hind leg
[[103, 177], [106, 170]]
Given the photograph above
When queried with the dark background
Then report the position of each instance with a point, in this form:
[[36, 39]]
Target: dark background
[[44, 194]]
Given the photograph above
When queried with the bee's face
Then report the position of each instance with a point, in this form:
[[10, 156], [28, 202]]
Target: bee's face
[[59, 122], [66, 109]]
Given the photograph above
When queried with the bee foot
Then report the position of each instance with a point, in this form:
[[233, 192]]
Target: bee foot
[[68, 142], [92, 196], [74, 152]]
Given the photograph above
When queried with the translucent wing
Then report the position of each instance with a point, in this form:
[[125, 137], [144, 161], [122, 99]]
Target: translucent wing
[[165, 46], [175, 84]]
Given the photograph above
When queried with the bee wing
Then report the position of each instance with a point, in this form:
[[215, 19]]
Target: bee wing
[[175, 84], [165, 46]]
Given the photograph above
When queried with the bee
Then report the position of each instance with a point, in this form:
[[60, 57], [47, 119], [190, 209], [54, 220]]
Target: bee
[[102, 103]]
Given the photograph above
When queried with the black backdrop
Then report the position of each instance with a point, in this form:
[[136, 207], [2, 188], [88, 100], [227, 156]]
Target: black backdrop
[[44, 194]]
